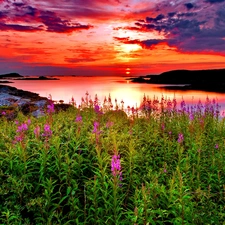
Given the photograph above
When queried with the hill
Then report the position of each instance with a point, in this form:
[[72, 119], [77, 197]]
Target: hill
[[10, 75], [209, 80]]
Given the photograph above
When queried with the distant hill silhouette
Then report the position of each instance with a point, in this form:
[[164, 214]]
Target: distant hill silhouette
[[14, 76], [11, 75], [209, 80]]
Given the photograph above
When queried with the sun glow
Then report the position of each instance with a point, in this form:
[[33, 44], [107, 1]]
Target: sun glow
[[127, 71], [127, 48]]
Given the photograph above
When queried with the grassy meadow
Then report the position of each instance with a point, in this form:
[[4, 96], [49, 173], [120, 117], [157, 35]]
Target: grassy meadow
[[97, 164]]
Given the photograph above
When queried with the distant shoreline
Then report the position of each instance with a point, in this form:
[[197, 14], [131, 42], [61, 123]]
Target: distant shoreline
[[15, 76], [204, 80]]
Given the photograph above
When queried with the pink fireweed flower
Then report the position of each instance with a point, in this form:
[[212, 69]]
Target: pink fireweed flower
[[216, 146], [51, 108], [191, 116], [37, 131], [28, 122], [47, 131], [78, 118], [97, 109], [18, 138], [22, 127], [96, 126], [180, 138], [116, 166], [3, 113]]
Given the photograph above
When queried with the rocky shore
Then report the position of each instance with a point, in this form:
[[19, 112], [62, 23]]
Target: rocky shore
[[12, 98]]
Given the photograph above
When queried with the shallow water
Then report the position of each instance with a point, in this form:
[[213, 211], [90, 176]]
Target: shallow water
[[118, 87]]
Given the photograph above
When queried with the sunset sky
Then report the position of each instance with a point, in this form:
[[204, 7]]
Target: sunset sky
[[110, 37]]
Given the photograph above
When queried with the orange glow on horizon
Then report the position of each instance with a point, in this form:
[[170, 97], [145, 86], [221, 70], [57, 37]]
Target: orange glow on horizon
[[95, 38]]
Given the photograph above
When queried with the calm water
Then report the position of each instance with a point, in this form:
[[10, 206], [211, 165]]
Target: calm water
[[118, 87]]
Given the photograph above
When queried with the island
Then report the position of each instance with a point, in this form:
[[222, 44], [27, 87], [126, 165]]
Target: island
[[39, 78], [16, 76], [207, 80], [10, 75]]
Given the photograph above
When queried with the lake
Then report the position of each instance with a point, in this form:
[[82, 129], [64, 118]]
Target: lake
[[118, 87]]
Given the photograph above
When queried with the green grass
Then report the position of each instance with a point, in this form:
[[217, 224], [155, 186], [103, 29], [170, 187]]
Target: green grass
[[65, 177]]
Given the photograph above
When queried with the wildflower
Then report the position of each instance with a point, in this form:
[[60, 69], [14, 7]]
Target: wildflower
[[47, 131], [22, 127], [78, 118], [96, 126], [28, 121], [37, 131], [50, 108], [163, 126], [18, 138], [3, 113], [183, 105], [191, 116], [180, 138], [216, 146], [116, 166], [97, 109]]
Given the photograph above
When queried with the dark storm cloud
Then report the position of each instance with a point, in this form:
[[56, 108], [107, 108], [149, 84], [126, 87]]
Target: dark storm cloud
[[144, 44], [45, 20], [178, 23], [16, 27], [156, 19], [56, 24], [189, 5], [2, 15], [215, 1], [195, 31]]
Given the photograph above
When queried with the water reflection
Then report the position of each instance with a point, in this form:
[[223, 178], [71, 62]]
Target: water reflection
[[118, 87]]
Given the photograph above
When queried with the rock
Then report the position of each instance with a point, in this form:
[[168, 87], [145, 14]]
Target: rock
[[38, 113], [27, 102]]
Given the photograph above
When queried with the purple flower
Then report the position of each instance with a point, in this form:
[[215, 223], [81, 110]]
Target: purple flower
[[28, 122], [191, 116], [3, 113], [22, 127], [37, 131], [78, 119], [18, 139], [97, 109], [47, 131], [116, 166], [96, 126], [50, 108], [183, 105], [180, 138], [216, 146]]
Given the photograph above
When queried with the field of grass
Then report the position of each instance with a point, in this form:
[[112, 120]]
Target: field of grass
[[94, 164]]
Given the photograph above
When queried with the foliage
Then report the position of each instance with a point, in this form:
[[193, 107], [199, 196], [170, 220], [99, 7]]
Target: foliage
[[158, 164]]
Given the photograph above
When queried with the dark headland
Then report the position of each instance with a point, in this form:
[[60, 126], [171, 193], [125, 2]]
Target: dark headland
[[15, 76], [207, 80]]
